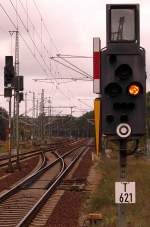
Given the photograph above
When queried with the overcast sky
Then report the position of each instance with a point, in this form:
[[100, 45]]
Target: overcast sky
[[50, 27]]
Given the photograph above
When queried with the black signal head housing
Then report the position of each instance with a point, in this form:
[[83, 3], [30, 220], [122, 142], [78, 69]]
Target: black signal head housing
[[122, 25], [123, 73]]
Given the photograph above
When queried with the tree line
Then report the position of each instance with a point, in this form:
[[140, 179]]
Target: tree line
[[83, 126]]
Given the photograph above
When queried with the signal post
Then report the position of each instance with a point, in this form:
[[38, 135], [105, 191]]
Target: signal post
[[97, 90], [12, 82], [123, 89], [8, 84]]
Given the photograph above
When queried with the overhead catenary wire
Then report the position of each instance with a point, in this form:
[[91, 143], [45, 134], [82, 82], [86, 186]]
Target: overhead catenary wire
[[61, 78], [50, 82], [84, 103], [29, 48], [86, 74], [45, 26], [17, 13], [68, 66], [26, 28], [43, 46], [45, 70], [61, 56], [73, 56], [34, 56], [37, 49], [35, 32], [27, 13]]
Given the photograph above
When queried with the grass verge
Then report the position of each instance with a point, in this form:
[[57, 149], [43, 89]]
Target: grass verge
[[103, 199]]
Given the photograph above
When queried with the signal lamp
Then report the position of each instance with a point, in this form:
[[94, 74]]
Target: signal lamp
[[134, 89], [113, 89], [123, 72]]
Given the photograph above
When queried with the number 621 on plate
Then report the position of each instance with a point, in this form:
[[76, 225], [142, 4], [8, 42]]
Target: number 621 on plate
[[125, 192]]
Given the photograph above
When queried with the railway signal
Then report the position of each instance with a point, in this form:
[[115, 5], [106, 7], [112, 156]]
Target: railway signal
[[7, 92], [18, 83], [20, 96], [123, 76], [123, 90], [9, 72]]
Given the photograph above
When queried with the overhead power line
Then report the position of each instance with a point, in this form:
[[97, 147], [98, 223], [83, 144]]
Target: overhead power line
[[26, 29], [77, 71], [29, 48], [86, 74], [29, 20], [45, 26], [73, 56], [61, 78], [39, 58], [84, 103], [32, 53]]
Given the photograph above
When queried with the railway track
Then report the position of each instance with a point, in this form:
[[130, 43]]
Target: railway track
[[20, 205], [44, 148]]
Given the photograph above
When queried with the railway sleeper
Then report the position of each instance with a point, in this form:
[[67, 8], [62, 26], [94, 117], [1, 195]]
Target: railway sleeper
[[77, 184]]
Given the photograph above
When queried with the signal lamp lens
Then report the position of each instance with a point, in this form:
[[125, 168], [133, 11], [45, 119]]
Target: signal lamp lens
[[123, 72], [113, 89], [134, 90]]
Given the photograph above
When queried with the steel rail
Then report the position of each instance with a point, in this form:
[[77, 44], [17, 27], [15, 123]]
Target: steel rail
[[30, 179], [34, 210], [33, 153], [21, 158], [15, 188]]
